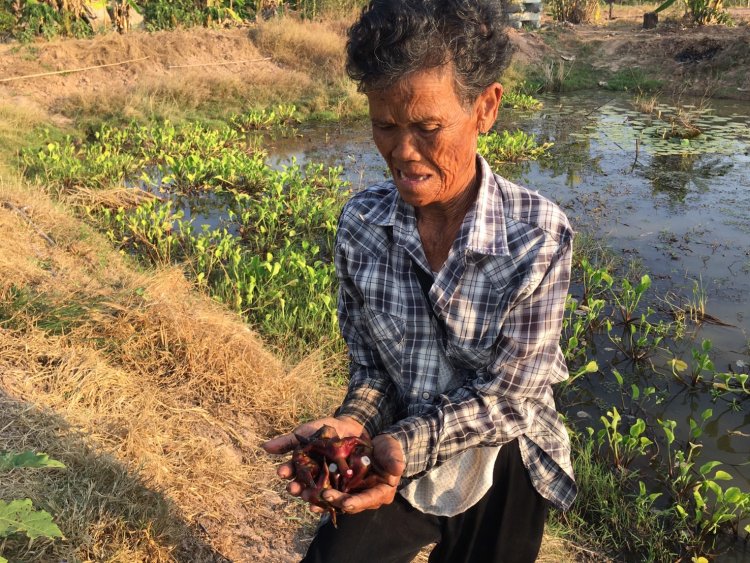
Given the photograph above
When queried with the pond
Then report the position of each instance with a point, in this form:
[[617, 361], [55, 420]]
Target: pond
[[678, 209]]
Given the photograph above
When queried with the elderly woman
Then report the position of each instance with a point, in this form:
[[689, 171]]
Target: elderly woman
[[452, 288]]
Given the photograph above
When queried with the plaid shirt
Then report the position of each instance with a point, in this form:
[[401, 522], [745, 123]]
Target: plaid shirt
[[497, 306]]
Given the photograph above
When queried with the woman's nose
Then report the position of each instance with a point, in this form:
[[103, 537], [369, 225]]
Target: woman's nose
[[405, 147]]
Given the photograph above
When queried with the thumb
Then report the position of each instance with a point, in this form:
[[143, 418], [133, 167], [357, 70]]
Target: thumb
[[280, 444], [389, 454]]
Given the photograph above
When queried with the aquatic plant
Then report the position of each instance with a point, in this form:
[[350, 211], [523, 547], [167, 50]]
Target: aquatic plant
[[504, 147], [279, 120], [631, 437], [521, 101], [269, 258]]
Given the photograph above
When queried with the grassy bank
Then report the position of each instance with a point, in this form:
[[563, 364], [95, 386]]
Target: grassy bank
[[153, 397]]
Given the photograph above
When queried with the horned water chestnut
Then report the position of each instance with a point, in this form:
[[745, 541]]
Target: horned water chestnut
[[325, 461]]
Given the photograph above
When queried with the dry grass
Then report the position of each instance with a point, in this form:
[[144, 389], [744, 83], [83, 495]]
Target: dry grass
[[304, 46], [171, 392], [317, 50], [645, 103], [174, 95], [106, 512], [306, 67], [152, 88], [108, 198]]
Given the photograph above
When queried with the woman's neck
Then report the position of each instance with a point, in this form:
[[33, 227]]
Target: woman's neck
[[438, 226]]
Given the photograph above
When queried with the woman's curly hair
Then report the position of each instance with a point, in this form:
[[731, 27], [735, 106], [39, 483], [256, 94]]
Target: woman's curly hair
[[393, 38]]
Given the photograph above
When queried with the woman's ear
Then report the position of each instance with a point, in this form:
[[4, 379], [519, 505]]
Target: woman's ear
[[487, 106]]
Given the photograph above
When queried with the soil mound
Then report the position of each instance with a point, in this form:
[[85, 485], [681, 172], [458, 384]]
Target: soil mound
[[697, 60], [153, 57]]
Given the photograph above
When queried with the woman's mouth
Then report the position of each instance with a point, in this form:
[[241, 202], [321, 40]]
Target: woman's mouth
[[411, 178]]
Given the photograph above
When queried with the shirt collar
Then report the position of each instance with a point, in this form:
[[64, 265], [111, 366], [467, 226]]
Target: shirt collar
[[483, 229], [485, 223]]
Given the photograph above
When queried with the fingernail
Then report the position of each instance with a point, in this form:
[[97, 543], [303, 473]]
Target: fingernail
[[348, 507]]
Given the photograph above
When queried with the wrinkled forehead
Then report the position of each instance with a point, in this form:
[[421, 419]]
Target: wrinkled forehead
[[421, 83]]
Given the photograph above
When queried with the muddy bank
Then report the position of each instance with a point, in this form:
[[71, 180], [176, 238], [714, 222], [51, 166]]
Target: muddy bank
[[707, 61]]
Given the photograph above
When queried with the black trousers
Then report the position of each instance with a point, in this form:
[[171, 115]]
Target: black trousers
[[505, 526]]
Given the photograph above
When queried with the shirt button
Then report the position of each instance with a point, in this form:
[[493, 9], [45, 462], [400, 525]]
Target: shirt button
[[425, 395]]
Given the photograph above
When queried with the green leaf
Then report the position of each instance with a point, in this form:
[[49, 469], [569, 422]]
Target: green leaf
[[732, 495], [722, 476], [714, 487], [695, 430], [9, 460], [638, 428], [635, 392], [669, 434], [645, 283], [20, 516], [618, 376], [706, 467], [700, 502], [4, 560]]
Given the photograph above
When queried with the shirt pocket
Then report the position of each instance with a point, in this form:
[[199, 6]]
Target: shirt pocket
[[468, 357], [388, 333], [475, 351]]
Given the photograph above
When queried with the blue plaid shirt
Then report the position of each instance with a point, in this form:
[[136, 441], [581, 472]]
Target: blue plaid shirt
[[497, 306]]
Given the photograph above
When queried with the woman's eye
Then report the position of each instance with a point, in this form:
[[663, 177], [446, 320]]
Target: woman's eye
[[431, 128]]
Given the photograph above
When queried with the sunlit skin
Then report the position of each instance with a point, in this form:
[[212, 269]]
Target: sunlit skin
[[428, 138]]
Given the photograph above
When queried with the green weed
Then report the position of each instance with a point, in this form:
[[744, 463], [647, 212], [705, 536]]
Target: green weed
[[269, 259], [19, 516], [633, 80], [521, 101], [504, 147]]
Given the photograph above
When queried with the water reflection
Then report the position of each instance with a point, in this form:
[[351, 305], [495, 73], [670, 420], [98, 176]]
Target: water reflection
[[677, 175]]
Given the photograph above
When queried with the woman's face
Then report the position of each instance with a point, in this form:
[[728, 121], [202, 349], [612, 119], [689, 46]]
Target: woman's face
[[428, 137]]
